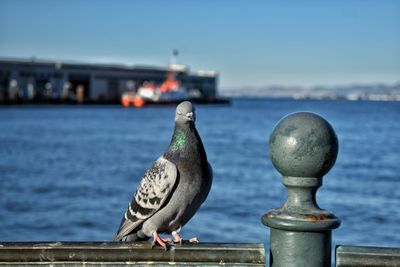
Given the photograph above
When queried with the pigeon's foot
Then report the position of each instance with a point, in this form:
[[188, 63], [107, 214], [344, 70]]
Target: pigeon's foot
[[177, 238], [194, 240], [167, 240], [157, 240]]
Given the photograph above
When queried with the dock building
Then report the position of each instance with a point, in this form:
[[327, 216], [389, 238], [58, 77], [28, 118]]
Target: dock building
[[33, 80]]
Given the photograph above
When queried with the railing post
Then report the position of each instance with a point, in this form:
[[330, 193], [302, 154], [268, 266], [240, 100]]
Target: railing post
[[303, 147]]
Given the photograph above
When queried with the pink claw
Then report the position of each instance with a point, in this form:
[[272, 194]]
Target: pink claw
[[177, 237], [194, 240], [157, 240]]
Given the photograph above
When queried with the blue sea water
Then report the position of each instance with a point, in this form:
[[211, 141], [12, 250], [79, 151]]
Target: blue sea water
[[67, 173]]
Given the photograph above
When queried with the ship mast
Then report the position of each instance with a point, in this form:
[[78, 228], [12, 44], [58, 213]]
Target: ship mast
[[173, 59]]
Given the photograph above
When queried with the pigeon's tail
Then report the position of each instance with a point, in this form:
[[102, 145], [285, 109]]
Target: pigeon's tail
[[116, 237]]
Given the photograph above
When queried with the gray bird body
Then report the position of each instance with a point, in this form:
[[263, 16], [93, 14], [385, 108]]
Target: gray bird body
[[174, 187]]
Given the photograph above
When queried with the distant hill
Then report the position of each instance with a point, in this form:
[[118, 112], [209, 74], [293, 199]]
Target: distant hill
[[376, 91]]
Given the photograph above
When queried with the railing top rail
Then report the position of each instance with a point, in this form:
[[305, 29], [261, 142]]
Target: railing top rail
[[357, 256], [98, 253]]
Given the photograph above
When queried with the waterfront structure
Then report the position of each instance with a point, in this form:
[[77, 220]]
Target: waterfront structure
[[35, 80]]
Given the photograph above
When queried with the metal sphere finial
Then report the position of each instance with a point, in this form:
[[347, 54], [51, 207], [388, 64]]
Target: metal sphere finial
[[303, 144], [303, 148]]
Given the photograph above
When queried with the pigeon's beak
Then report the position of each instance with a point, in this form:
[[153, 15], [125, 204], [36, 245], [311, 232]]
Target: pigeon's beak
[[191, 116]]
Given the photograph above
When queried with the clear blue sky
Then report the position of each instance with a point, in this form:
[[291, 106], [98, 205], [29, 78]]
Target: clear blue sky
[[251, 43]]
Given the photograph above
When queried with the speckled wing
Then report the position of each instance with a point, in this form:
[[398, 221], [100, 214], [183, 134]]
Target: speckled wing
[[154, 189]]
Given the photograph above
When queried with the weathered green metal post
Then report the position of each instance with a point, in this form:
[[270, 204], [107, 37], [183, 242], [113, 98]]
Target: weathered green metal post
[[303, 147]]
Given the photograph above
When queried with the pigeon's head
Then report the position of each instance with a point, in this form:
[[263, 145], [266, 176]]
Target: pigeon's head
[[185, 112]]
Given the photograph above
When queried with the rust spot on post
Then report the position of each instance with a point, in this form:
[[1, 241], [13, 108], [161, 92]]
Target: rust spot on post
[[317, 218]]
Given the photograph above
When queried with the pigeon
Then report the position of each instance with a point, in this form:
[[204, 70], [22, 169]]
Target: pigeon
[[172, 189]]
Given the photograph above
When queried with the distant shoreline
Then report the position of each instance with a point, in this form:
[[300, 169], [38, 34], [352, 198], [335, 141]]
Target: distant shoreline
[[371, 92], [315, 99]]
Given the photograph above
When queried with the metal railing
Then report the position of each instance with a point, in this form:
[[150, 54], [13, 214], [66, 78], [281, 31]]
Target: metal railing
[[303, 148], [129, 254], [354, 256]]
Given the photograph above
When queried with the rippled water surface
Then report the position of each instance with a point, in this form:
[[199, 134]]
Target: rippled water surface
[[68, 173]]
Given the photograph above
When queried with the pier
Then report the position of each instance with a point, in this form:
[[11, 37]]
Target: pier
[[38, 81]]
